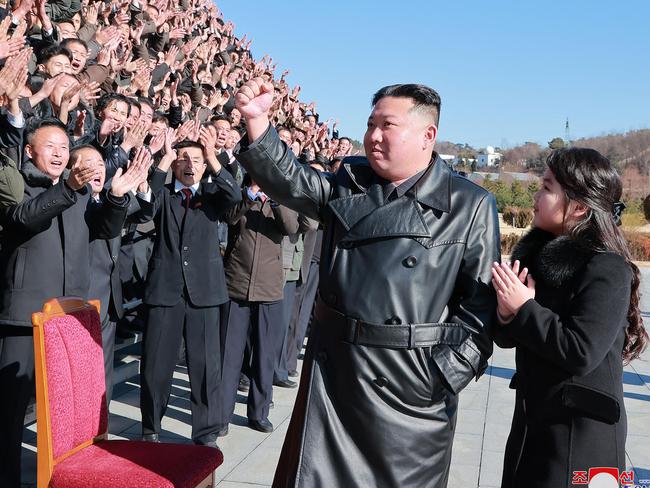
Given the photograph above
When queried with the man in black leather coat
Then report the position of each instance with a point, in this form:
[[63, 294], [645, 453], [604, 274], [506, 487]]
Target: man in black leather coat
[[405, 300]]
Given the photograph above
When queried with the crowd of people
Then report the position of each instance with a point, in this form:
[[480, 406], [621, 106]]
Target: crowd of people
[[101, 102]]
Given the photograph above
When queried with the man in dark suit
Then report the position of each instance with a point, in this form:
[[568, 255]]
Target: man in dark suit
[[44, 253], [185, 286], [105, 271]]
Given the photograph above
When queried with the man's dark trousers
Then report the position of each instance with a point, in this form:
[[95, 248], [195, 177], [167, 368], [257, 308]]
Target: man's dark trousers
[[17, 385], [162, 338], [259, 320], [301, 313], [281, 338]]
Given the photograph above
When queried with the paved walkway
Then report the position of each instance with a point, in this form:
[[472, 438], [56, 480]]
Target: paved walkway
[[485, 412]]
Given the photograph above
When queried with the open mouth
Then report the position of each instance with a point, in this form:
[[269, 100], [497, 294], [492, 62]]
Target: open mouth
[[57, 163], [189, 174], [75, 65]]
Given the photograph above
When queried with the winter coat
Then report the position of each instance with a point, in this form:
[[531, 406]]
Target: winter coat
[[45, 248], [569, 412], [401, 323]]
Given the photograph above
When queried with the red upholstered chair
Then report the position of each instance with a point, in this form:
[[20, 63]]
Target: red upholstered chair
[[72, 418]]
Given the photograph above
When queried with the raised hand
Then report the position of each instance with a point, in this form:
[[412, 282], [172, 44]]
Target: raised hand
[[254, 98], [89, 91], [157, 142], [79, 126], [81, 173], [11, 47], [137, 172], [512, 293], [135, 135]]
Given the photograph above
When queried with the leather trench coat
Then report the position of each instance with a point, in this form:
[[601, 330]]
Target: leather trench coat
[[384, 415]]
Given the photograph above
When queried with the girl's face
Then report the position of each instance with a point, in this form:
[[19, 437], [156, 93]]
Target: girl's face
[[550, 206]]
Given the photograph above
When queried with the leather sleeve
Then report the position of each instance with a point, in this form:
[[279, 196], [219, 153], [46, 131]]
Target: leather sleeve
[[276, 169], [474, 303]]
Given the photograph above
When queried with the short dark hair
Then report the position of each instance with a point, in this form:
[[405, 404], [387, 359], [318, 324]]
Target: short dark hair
[[146, 101], [53, 50], [219, 117], [36, 124], [158, 117], [186, 144], [135, 103], [66, 43], [106, 100], [76, 150], [425, 99]]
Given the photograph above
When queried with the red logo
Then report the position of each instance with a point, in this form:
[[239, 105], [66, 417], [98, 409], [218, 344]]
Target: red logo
[[602, 477]]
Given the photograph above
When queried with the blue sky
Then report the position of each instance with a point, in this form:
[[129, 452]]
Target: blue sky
[[507, 71]]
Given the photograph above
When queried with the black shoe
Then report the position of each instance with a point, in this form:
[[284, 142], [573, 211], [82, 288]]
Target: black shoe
[[285, 383], [244, 385], [223, 432], [293, 373], [212, 444], [261, 425], [150, 438]]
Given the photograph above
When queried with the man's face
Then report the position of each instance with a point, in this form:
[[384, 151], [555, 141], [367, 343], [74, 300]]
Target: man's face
[[67, 31], [49, 151], [92, 158], [344, 146], [190, 166], [223, 131], [235, 116], [134, 115], [57, 64], [79, 57], [146, 114], [118, 112], [397, 138], [157, 127], [233, 139], [311, 121], [285, 136], [62, 85]]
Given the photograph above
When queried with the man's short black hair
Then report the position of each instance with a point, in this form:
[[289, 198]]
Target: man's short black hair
[[106, 100], [159, 117], [135, 103], [425, 99], [186, 144], [36, 124], [77, 149], [146, 101], [66, 43], [53, 50], [219, 117]]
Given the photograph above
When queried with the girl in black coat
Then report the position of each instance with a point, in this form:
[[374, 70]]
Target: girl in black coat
[[569, 304]]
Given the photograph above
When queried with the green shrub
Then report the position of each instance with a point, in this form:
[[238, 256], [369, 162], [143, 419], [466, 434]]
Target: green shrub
[[519, 217]]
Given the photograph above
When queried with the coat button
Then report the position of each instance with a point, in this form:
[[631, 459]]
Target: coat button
[[381, 382], [185, 248], [393, 321], [411, 262], [184, 263]]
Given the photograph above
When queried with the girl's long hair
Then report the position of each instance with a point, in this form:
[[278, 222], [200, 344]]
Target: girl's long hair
[[586, 176]]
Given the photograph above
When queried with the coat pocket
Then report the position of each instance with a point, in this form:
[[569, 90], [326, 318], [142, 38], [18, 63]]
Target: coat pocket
[[591, 403]]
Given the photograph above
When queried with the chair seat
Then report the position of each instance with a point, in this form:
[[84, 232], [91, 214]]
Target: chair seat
[[136, 464]]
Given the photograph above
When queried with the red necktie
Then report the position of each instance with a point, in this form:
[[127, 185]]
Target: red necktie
[[187, 194]]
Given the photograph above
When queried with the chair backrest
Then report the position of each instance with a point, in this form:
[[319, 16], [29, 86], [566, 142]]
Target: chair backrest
[[71, 410]]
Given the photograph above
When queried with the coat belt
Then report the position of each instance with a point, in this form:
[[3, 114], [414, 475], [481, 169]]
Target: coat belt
[[399, 336]]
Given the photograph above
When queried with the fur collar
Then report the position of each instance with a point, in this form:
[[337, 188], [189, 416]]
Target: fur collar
[[549, 259], [34, 177]]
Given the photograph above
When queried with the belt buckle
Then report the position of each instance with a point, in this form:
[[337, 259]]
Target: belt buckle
[[353, 330], [411, 336]]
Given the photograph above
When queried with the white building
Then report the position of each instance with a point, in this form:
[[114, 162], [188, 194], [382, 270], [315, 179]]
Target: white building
[[489, 158]]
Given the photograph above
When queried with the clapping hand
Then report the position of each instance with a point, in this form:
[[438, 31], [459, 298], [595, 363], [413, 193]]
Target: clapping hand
[[513, 287], [82, 173], [136, 173]]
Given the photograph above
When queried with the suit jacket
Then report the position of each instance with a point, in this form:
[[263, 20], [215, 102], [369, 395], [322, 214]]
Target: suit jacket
[[106, 284], [45, 251], [186, 257]]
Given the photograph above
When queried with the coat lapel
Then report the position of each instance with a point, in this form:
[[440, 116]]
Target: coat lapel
[[175, 202]]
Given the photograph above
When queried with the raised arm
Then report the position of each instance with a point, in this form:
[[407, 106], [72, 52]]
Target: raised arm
[[270, 162]]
